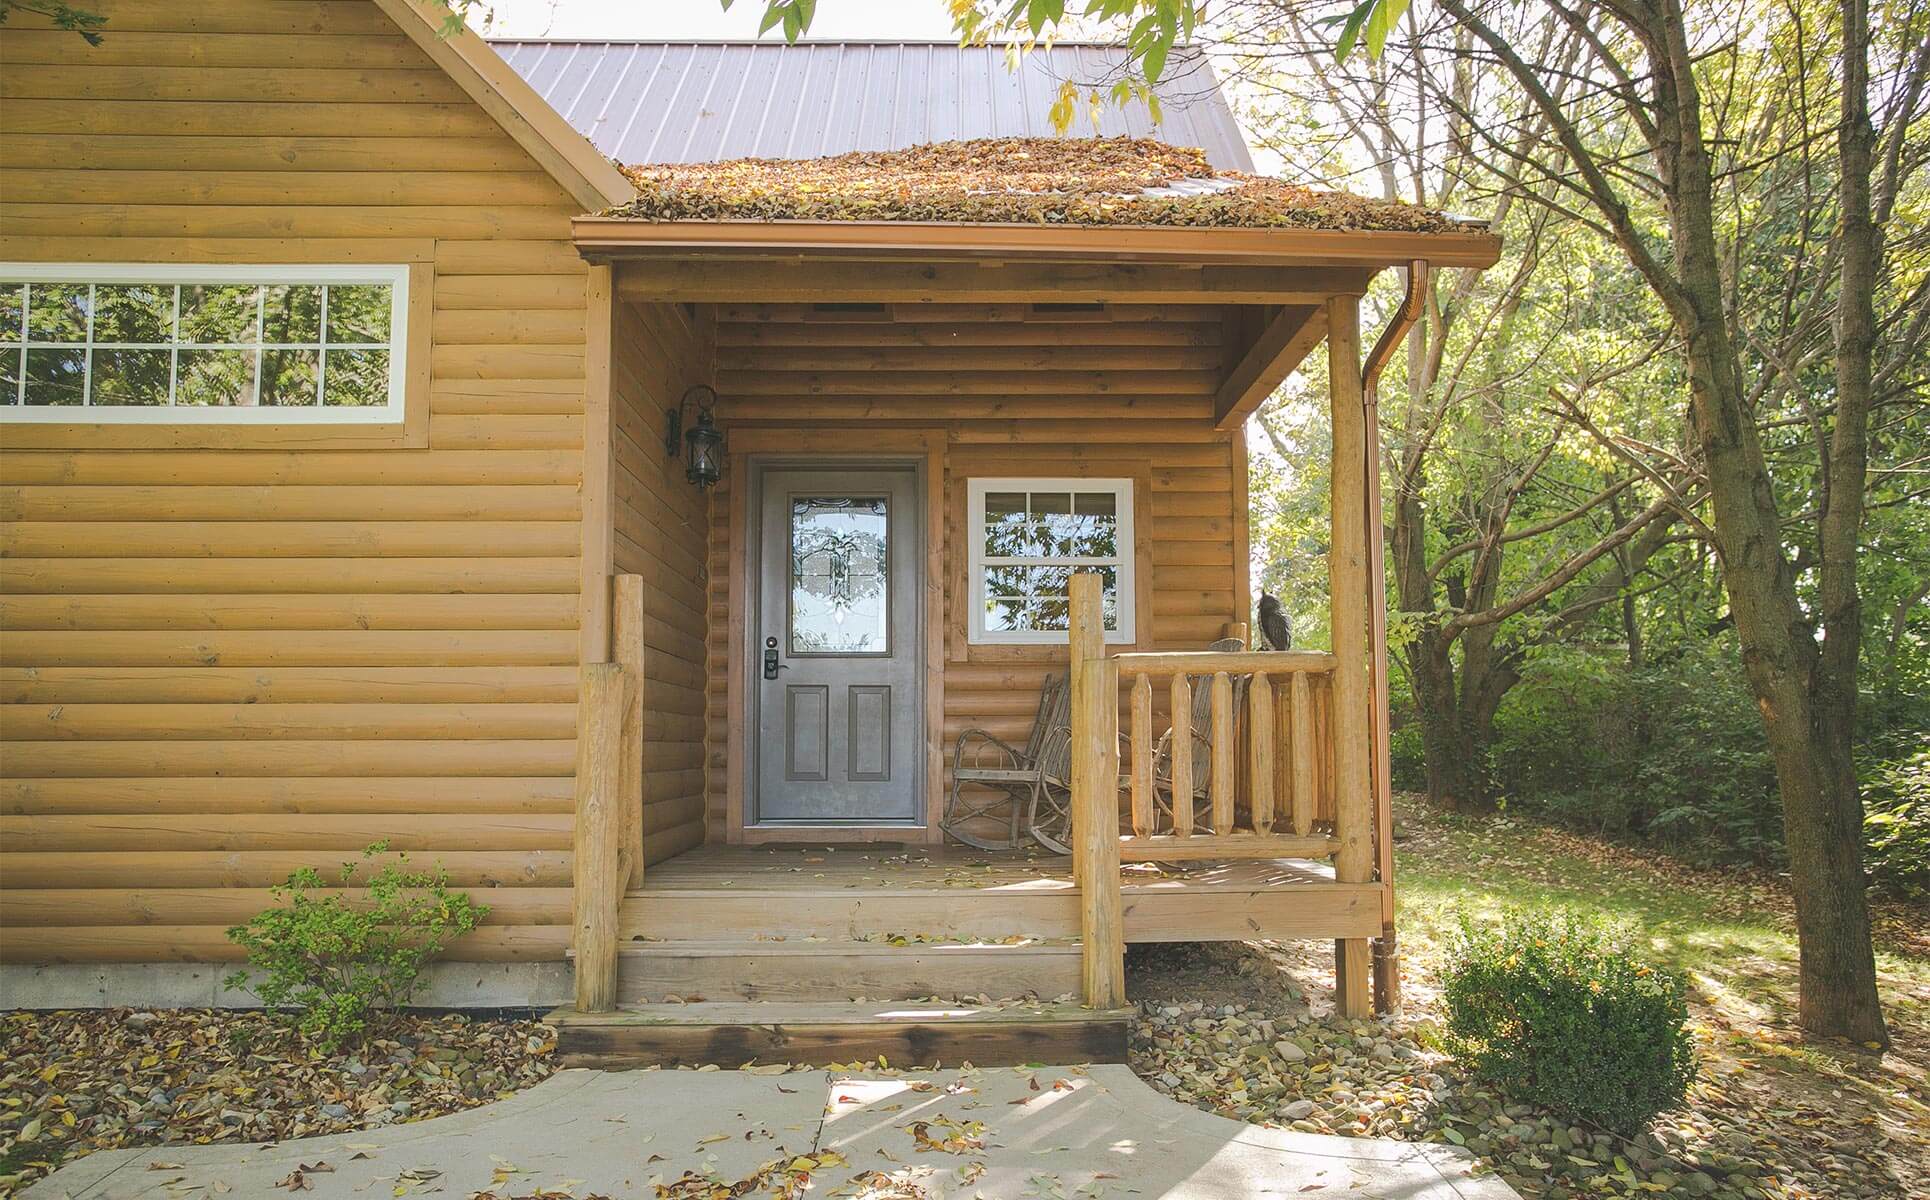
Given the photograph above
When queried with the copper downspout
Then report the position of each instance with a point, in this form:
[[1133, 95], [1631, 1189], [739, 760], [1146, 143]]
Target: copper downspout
[[1387, 979]]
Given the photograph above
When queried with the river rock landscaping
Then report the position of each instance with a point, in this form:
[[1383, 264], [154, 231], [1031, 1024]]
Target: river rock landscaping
[[75, 1082], [1243, 1030]]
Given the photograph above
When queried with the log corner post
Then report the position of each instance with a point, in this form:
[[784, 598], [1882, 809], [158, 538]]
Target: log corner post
[[1348, 585], [1095, 798], [598, 880], [626, 640]]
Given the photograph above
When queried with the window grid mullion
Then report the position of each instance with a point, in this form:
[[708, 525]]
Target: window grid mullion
[[321, 353], [87, 353], [26, 303], [261, 324], [174, 347]]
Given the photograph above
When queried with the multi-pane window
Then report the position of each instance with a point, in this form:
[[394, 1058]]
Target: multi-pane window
[[1029, 536], [86, 342]]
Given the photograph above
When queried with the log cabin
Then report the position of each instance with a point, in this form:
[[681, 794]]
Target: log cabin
[[632, 480]]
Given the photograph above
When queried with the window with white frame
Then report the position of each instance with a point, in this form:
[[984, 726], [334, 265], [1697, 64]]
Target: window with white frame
[[209, 344], [1027, 538]]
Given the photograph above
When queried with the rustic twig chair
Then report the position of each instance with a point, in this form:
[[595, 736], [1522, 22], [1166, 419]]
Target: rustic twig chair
[[1202, 749], [993, 780], [1049, 813]]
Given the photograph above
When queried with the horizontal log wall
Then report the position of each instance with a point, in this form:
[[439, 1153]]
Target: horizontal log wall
[[660, 350], [1019, 390], [224, 663]]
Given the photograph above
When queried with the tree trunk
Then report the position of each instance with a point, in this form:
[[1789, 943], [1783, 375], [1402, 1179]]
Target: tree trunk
[[1455, 744]]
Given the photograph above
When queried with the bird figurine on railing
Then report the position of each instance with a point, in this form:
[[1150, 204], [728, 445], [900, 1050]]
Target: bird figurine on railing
[[1276, 632]]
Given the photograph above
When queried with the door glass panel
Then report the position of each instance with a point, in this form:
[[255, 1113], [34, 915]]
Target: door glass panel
[[840, 589]]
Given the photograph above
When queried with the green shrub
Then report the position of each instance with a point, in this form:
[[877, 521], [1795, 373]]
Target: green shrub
[[334, 965], [1561, 1013], [1896, 823]]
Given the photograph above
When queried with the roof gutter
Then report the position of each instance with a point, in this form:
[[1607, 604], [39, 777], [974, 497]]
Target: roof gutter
[[602, 238], [1387, 972]]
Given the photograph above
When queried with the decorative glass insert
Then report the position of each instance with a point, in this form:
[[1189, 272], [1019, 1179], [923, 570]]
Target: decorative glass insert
[[1030, 535], [840, 575], [85, 341]]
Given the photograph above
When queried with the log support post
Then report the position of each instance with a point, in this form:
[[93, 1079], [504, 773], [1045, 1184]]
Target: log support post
[[1095, 798], [1348, 580], [597, 876], [626, 642]]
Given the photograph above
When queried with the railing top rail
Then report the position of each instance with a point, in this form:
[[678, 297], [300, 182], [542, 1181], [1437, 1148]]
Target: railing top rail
[[1245, 662]]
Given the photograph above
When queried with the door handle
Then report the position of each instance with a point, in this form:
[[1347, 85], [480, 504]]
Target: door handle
[[771, 665]]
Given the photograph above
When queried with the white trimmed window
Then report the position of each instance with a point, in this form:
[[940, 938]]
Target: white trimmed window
[[1027, 538], [158, 343]]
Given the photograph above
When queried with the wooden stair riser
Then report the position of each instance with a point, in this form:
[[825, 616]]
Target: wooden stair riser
[[649, 973], [730, 1046], [735, 1035], [846, 915]]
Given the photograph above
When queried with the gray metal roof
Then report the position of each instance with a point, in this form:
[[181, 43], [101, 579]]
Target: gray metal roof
[[657, 102]]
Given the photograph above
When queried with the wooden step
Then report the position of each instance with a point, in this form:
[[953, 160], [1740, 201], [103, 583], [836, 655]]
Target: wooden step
[[648, 972], [728, 914], [906, 1035]]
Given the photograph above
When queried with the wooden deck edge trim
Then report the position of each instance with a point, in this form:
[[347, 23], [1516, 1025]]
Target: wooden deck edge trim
[[616, 237]]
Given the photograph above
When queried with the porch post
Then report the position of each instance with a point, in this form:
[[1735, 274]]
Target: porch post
[[1095, 798], [1347, 577], [598, 884]]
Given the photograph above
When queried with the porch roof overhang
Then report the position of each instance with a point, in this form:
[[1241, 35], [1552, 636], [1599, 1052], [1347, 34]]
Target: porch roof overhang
[[1290, 272]]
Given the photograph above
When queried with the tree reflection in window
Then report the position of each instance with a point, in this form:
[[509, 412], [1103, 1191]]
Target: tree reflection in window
[[839, 575], [1033, 543]]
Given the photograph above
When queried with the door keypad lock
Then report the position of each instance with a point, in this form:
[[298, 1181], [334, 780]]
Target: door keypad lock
[[771, 667]]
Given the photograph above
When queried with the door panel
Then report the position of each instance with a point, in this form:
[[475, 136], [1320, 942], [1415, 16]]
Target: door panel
[[838, 569]]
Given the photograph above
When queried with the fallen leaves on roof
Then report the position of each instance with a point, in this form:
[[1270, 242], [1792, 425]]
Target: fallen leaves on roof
[[1031, 181]]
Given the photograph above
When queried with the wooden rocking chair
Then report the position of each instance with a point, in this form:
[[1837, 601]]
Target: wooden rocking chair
[[1049, 813], [1202, 750], [993, 780]]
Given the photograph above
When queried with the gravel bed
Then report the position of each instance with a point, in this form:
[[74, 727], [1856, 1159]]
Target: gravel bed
[[75, 1082], [1282, 1065]]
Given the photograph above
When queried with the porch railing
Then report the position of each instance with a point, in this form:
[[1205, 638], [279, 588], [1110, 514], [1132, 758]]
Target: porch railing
[[1268, 755]]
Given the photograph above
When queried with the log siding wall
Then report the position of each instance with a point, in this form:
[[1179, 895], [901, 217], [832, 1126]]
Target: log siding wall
[[1017, 390], [220, 664], [661, 532]]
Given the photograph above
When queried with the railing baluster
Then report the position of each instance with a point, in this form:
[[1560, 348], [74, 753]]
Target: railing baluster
[[1260, 748], [1302, 724], [1181, 754], [1283, 751], [1142, 747], [1223, 762]]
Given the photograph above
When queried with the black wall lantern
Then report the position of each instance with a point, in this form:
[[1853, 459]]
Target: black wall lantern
[[704, 440]]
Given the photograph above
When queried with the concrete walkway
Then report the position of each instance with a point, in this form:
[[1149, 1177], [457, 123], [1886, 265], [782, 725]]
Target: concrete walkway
[[1049, 1132]]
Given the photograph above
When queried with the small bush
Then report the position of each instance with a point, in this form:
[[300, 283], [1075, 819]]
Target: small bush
[[333, 965], [1561, 1013]]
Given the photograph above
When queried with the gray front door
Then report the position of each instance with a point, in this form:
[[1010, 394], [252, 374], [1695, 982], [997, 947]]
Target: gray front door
[[836, 645]]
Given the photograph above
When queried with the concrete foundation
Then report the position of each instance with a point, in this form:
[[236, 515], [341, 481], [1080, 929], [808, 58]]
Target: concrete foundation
[[198, 985]]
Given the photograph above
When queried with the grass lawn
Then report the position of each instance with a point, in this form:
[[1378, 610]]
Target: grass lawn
[[1730, 933]]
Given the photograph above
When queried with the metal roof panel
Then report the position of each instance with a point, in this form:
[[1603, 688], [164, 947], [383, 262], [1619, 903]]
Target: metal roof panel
[[683, 101]]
